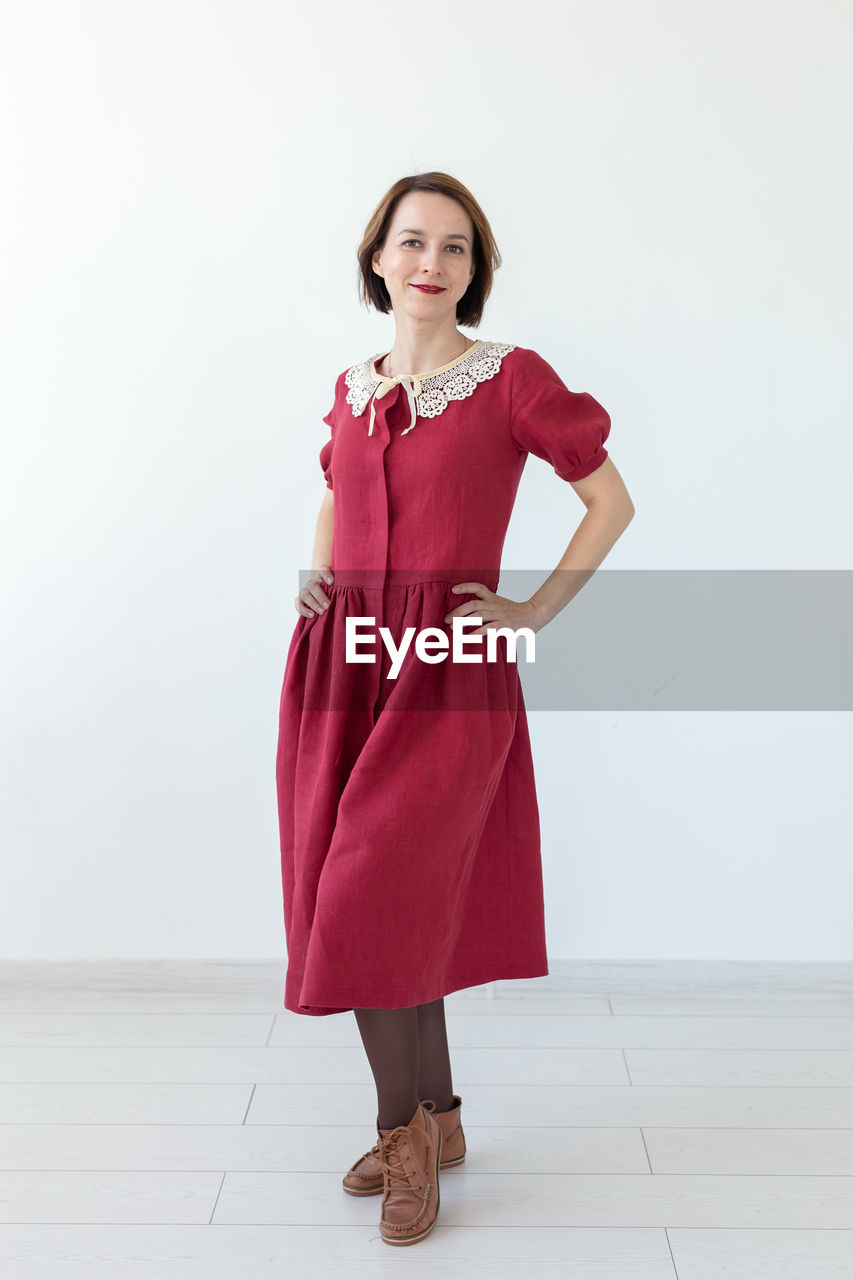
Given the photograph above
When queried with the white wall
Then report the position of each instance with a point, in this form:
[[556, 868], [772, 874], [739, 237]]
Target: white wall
[[185, 184]]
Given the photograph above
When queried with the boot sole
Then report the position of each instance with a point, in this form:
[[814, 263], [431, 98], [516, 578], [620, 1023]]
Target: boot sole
[[423, 1234]]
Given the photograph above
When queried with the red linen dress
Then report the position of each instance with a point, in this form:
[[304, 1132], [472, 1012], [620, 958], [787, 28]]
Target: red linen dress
[[410, 843]]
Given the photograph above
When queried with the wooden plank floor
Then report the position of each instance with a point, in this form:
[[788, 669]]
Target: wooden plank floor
[[649, 1121]]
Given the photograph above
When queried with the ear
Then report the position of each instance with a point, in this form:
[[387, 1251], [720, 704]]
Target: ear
[[374, 261]]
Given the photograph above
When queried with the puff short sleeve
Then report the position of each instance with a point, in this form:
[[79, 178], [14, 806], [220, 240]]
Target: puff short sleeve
[[329, 447], [566, 428]]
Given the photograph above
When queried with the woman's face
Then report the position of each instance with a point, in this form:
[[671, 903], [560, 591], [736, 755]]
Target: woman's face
[[430, 241]]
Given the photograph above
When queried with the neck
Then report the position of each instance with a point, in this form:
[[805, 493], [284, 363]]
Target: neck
[[419, 354]]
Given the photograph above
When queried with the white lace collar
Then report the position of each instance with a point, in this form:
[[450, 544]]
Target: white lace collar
[[429, 393]]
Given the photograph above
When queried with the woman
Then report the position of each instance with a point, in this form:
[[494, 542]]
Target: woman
[[411, 863]]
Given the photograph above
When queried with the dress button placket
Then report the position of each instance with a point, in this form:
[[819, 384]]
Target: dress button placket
[[377, 502]]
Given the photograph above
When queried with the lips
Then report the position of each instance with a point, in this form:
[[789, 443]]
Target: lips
[[425, 288]]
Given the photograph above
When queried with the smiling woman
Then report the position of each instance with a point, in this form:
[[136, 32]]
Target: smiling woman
[[428, 244], [410, 844]]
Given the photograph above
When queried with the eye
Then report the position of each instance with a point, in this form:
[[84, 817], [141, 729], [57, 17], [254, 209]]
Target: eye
[[457, 247]]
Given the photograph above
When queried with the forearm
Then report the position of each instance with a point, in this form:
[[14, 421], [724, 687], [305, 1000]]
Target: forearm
[[322, 553], [602, 526]]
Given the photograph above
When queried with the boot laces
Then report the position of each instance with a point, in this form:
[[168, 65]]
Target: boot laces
[[398, 1158]]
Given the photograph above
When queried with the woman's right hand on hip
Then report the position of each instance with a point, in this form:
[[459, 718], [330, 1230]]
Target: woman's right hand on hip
[[312, 599]]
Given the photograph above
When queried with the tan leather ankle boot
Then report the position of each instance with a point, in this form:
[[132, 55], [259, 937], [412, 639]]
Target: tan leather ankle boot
[[410, 1156], [365, 1178]]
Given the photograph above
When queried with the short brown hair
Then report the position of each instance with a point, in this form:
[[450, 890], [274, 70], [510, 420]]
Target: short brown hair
[[484, 250]]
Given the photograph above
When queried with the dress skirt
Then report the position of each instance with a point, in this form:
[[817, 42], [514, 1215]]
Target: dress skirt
[[411, 861]]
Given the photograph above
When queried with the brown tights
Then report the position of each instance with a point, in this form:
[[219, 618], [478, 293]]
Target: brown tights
[[408, 1055]]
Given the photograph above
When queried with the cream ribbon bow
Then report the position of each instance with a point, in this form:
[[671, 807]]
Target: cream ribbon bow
[[411, 382]]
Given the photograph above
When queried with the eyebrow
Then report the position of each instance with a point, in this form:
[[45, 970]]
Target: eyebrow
[[410, 231]]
